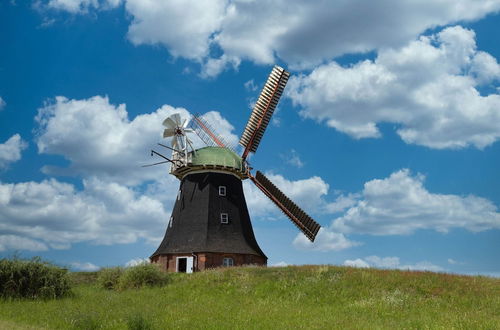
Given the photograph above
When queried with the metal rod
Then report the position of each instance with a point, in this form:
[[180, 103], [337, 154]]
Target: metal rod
[[163, 162], [157, 153], [179, 151]]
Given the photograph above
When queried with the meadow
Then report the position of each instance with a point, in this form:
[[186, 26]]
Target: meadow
[[304, 297]]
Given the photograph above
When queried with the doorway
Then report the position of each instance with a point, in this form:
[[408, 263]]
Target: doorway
[[184, 265]]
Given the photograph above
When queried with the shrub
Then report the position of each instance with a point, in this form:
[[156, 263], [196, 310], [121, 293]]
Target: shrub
[[32, 279], [142, 275], [107, 278]]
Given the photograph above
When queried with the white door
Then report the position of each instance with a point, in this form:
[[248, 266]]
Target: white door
[[189, 265]]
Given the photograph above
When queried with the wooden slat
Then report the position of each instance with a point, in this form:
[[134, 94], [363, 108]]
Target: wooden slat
[[301, 219]]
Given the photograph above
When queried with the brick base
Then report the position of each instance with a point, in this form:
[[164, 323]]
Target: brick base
[[202, 261]]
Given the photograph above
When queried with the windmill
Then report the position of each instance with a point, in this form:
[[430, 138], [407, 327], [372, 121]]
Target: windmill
[[210, 225]]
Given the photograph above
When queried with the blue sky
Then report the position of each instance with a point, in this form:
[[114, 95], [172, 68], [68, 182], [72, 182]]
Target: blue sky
[[387, 133]]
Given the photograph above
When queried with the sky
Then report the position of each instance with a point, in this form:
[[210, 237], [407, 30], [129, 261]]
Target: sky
[[387, 133]]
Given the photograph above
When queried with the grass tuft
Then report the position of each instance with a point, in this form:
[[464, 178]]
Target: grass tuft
[[107, 278], [32, 279], [141, 276]]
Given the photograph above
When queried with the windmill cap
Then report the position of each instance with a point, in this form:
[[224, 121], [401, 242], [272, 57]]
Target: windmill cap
[[213, 158]]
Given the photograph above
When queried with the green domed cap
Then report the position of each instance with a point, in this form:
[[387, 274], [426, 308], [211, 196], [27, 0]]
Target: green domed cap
[[218, 157]]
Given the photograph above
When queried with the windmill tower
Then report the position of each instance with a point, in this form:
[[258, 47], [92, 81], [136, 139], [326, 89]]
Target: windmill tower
[[210, 225]]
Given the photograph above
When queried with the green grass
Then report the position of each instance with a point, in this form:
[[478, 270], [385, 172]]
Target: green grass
[[306, 297]]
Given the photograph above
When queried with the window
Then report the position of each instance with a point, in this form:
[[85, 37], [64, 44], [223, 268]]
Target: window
[[224, 218], [179, 195], [170, 223], [222, 190], [227, 262]]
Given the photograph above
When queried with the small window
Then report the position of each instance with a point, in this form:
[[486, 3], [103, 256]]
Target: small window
[[224, 218], [171, 222], [179, 195], [227, 262], [222, 190]]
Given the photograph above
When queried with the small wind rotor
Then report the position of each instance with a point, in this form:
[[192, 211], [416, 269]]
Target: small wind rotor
[[250, 139], [177, 129]]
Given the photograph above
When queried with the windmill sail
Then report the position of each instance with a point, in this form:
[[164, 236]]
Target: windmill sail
[[207, 133], [263, 110], [301, 219]]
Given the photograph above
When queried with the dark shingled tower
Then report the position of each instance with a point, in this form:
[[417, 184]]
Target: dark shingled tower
[[210, 221]]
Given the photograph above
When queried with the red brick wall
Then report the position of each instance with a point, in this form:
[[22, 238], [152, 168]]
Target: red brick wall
[[204, 261]]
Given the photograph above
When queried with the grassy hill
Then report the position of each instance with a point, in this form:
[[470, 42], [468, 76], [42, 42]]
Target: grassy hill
[[288, 297]]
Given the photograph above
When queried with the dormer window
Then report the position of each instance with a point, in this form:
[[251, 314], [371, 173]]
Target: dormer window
[[224, 218], [179, 195], [222, 190], [171, 222]]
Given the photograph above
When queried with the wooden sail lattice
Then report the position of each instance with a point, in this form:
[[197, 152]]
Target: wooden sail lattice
[[263, 110], [301, 219]]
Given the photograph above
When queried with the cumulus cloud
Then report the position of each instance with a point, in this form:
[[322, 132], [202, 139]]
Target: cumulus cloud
[[84, 266], [55, 214], [326, 240], [136, 262], [14, 242], [293, 158], [10, 150], [263, 31], [391, 263], [100, 140], [359, 263], [428, 87], [400, 204], [79, 6], [185, 28]]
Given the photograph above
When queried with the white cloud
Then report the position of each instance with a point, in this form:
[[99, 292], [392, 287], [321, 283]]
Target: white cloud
[[80, 6], [455, 262], [293, 159], [280, 264], [359, 263], [428, 87], [84, 266], [2, 103], [14, 242], [300, 33], [10, 150], [99, 139], [400, 204], [136, 262], [185, 27], [251, 87], [326, 240], [56, 214], [392, 263], [212, 67]]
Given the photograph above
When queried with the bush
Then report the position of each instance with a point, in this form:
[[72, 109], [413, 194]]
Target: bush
[[142, 275], [32, 279], [107, 278]]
